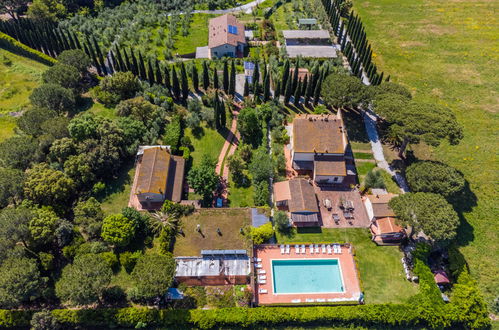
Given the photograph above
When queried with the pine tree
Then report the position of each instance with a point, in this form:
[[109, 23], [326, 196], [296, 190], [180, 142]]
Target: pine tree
[[175, 84], [206, 76], [232, 80], [195, 78], [184, 81], [256, 78], [295, 74], [285, 76], [297, 94], [159, 78], [150, 73], [277, 91], [166, 73], [226, 78], [246, 88], [215, 79], [223, 115], [266, 88], [288, 92]]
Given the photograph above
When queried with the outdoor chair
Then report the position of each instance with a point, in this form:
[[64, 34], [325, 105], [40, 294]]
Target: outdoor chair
[[262, 291], [316, 248], [297, 249], [311, 248], [282, 249], [303, 249], [323, 248]]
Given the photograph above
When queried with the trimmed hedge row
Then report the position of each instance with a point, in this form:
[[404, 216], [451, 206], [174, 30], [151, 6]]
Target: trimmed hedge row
[[15, 46]]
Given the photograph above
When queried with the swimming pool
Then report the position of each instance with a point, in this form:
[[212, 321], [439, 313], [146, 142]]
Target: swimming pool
[[307, 276]]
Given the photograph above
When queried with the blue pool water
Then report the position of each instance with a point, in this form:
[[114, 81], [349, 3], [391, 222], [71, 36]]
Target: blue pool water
[[307, 276]]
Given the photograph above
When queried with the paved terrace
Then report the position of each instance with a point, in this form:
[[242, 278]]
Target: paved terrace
[[266, 253]]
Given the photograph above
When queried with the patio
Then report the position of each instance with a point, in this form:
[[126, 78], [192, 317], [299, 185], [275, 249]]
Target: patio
[[356, 217]]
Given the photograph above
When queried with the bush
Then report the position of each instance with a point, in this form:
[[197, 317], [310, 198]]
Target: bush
[[53, 97], [374, 179], [173, 134], [75, 58], [262, 195], [111, 260], [120, 86], [44, 320], [17, 47], [281, 221], [261, 234], [129, 259]]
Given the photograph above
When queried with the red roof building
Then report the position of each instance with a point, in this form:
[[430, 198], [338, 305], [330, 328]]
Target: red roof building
[[226, 37]]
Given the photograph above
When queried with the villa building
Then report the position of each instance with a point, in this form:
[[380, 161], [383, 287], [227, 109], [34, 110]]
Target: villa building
[[226, 38], [319, 143], [384, 227], [297, 196], [159, 177]]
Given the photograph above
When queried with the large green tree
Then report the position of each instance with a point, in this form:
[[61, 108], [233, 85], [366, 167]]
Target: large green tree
[[20, 282], [435, 177], [118, 229], [11, 186], [411, 122], [203, 179], [83, 281], [138, 108], [343, 91], [32, 120], [63, 75], [88, 215], [76, 58], [428, 212], [153, 275], [54, 97], [43, 225], [14, 226], [249, 126], [261, 165], [18, 152]]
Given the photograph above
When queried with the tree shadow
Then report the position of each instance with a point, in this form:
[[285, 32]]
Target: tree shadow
[[118, 183], [289, 233], [355, 127], [309, 230], [198, 132]]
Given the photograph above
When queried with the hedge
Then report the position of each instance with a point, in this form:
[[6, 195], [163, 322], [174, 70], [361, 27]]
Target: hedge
[[15, 46]]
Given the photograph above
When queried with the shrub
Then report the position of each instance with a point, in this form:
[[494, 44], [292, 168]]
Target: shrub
[[281, 221], [76, 58], [261, 234], [374, 179], [173, 134], [262, 194], [129, 259], [17, 47], [110, 259], [53, 97]]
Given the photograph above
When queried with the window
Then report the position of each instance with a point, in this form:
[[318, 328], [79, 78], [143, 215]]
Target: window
[[232, 29], [335, 179]]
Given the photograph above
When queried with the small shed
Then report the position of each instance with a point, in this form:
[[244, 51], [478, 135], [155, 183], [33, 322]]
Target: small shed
[[307, 22]]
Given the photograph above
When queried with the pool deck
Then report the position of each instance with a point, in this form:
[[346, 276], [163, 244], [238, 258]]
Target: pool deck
[[269, 252]]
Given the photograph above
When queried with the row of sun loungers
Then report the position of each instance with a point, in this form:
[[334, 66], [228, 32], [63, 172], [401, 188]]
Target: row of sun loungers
[[313, 249], [309, 300]]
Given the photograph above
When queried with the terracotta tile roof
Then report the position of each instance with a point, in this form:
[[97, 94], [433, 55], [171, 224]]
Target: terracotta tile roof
[[281, 191], [302, 196], [175, 179], [318, 133], [302, 73], [154, 170], [219, 31], [380, 205], [330, 166], [387, 225]]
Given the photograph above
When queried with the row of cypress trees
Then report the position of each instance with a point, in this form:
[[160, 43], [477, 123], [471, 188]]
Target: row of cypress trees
[[353, 40], [309, 89]]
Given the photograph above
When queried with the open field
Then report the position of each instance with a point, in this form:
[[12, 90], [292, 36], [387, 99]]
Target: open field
[[447, 52], [197, 37], [381, 273], [228, 220]]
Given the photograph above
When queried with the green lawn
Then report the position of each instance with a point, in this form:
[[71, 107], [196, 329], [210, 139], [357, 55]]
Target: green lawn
[[197, 37], [381, 272], [391, 185], [99, 109], [363, 155], [240, 196], [228, 220], [18, 76], [447, 52], [117, 193], [363, 168], [205, 141]]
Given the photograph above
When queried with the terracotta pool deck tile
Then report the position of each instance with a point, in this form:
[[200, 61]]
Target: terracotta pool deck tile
[[348, 269]]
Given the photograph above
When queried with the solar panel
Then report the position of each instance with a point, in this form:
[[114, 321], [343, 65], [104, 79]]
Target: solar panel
[[232, 29]]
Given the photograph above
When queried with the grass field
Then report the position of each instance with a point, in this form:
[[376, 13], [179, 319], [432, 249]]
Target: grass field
[[198, 35], [117, 193], [447, 52], [205, 141], [18, 76], [381, 272], [228, 220]]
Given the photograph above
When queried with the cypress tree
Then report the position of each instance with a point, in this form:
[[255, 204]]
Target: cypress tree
[[121, 64], [277, 91], [64, 39], [223, 115], [94, 58], [288, 92], [256, 78], [304, 86], [135, 66], [166, 73], [195, 78], [232, 80], [226, 78], [297, 94], [159, 78], [112, 62], [317, 91], [175, 84], [72, 43], [128, 63], [246, 88], [285, 76], [266, 88], [380, 79], [206, 77], [150, 73], [216, 108], [184, 81], [76, 40], [215, 79], [295, 74], [100, 56], [142, 67]]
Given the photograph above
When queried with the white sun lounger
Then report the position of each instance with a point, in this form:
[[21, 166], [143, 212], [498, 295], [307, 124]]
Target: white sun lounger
[[296, 301], [297, 249], [329, 249], [303, 249], [258, 266], [261, 271], [320, 300], [309, 300], [331, 300], [262, 282], [258, 259], [262, 277], [316, 248], [287, 249], [336, 248], [262, 291], [323, 248], [311, 248], [282, 249]]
